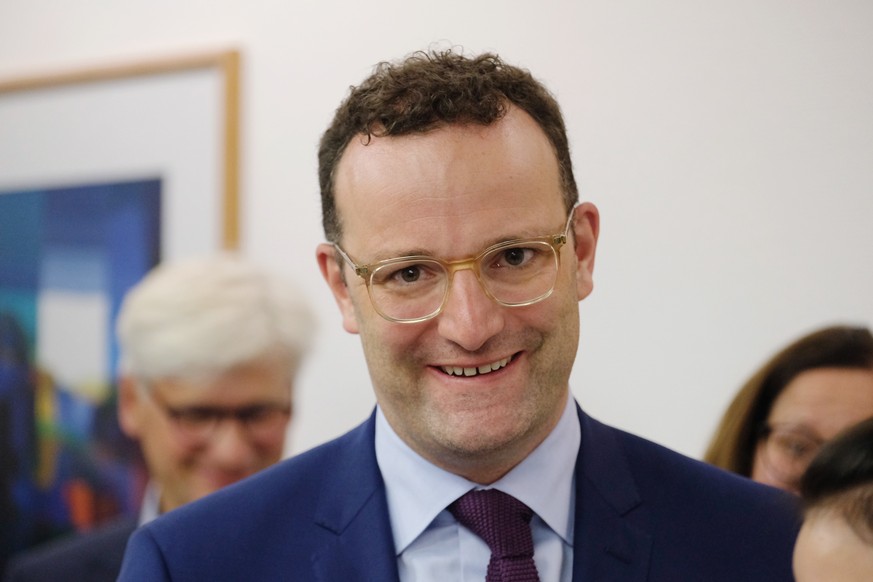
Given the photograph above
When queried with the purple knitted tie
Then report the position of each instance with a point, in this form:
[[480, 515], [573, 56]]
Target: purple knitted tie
[[504, 523]]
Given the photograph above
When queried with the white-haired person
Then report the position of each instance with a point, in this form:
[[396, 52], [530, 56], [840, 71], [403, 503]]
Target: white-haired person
[[210, 348]]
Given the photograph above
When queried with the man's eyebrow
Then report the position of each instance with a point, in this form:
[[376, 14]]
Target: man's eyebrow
[[422, 252], [413, 252]]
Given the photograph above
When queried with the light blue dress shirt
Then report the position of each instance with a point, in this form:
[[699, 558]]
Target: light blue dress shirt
[[429, 542], [151, 503]]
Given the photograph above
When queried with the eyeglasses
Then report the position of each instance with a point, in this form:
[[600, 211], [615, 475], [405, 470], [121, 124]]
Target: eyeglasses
[[264, 424], [514, 273], [787, 451]]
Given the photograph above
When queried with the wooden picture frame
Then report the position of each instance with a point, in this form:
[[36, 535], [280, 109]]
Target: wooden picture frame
[[34, 93]]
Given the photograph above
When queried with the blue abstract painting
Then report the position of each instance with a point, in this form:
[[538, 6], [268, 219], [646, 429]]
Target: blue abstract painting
[[67, 257]]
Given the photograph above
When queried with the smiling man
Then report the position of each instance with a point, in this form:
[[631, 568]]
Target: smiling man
[[459, 253], [209, 348]]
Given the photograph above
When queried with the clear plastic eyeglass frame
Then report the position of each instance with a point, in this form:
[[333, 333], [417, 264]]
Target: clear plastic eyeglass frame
[[554, 242]]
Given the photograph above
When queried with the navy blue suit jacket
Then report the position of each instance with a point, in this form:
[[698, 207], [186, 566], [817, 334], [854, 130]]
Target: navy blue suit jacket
[[91, 557], [642, 513]]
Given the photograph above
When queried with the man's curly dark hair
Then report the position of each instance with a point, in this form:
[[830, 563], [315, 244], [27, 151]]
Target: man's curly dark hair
[[428, 90]]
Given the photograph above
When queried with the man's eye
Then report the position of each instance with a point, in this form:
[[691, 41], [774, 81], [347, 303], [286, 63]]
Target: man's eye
[[405, 275], [255, 413], [409, 274], [518, 258], [194, 415], [515, 257]]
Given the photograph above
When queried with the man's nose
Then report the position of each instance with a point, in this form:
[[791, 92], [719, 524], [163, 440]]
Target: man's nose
[[231, 443], [470, 317]]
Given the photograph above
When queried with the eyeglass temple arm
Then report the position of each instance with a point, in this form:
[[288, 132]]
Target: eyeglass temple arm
[[359, 271]]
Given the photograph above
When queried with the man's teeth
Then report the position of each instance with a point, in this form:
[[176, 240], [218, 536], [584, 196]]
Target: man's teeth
[[458, 371]]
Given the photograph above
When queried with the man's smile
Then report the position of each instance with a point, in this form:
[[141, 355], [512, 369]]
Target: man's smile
[[475, 370]]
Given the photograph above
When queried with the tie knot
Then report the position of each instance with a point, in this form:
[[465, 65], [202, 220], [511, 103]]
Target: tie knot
[[498, 518]]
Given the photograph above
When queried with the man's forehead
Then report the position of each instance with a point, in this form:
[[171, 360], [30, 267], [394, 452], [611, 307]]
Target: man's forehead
[[454, 172], [224, 387], [452, 235]]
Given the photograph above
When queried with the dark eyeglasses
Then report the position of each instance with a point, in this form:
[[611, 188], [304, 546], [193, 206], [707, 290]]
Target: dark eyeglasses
[[264, 423]]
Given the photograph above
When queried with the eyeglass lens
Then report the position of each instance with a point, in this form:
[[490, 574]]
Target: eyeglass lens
[[788, 452], [517, 273], [263, 423]]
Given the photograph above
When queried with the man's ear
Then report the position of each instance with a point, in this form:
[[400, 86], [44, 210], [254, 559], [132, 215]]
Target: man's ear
[[129, 407], [586, 229], [332, 271]]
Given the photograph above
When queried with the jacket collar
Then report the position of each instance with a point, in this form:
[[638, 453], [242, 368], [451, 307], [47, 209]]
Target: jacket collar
[[606, 545], [353, 507]]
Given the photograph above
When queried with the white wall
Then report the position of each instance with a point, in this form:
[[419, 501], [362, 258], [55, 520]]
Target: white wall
[[728, 144]]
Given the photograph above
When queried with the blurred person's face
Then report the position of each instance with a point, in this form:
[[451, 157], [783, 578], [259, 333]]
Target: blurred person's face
[[829, 550], [449, 194], [198, 437], [811, 410]]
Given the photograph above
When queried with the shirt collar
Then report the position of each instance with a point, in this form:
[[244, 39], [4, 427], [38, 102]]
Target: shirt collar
[[418, 491], [151, 503]]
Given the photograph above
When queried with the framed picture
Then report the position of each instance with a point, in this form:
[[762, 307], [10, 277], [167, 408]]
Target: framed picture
[[177, 118], [104, 171]]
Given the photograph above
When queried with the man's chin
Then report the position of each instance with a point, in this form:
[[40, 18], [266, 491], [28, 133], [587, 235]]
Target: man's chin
[[471, 442]]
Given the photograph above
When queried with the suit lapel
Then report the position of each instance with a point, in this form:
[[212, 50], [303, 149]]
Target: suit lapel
[[354, 511], [607, 546]]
